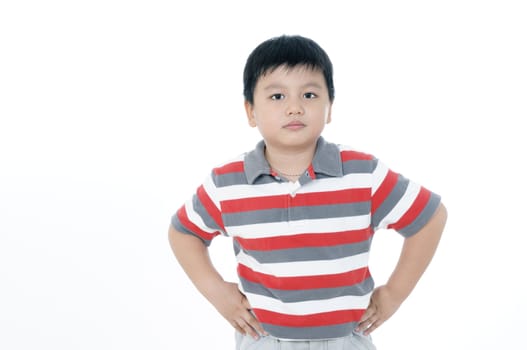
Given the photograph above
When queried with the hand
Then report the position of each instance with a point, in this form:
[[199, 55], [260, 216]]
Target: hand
[[235, 308], [383, 305]]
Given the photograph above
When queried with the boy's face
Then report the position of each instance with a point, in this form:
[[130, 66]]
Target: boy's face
[[291, 107]]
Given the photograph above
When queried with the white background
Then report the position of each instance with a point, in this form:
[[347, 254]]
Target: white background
[[112, 112]]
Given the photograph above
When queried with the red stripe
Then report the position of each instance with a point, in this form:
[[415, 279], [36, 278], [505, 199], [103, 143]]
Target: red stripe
[[189, 225], [305, 282], [311, 172], [301, 199], [210, 207], [310, 320], [326, 239], [257, 203], [384, 190], [415, 209], [235, 167], [353, 155]]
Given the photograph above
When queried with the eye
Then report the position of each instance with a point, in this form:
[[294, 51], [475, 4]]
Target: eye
[[277, 97], [310, 95]]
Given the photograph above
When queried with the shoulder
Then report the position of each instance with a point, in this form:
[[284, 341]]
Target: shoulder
[[356, 161], [230, 172], [233, 165], [348, 153]]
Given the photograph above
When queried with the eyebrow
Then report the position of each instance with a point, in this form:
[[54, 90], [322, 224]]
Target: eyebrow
[[279, 86]]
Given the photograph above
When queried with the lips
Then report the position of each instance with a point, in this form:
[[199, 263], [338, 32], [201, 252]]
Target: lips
[[294, 125]]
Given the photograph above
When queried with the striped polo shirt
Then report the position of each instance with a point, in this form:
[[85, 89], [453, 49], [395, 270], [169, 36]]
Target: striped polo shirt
[[302, 248]]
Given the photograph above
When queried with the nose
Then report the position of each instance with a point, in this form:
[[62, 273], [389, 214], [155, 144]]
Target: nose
[[294, 108]]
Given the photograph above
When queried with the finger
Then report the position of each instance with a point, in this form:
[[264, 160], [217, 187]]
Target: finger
[[367, 318], [250, 318], [245, 302], [237, 327], [248, 330], [243, 327], [253, 322], [363, 325], [366, 322], [369, 313], [372, 327]]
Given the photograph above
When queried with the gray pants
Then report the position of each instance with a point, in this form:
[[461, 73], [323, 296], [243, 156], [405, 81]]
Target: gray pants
[[354, 341]]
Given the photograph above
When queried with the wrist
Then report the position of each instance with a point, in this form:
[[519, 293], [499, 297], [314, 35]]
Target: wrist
[[212, 287], [397, 292]]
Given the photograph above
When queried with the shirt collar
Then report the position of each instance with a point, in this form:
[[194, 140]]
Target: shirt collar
[[325, 161]]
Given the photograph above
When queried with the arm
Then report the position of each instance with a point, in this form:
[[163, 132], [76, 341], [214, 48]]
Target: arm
[[194, 258], [416, 254]]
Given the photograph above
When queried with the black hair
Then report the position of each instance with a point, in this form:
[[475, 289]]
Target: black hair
[[291, 51]]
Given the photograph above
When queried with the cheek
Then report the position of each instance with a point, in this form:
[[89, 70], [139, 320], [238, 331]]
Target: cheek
[[327, 112], [265, 114]]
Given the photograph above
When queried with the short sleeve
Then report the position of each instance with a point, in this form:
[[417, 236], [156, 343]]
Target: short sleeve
[[200, 215], [399, 203]]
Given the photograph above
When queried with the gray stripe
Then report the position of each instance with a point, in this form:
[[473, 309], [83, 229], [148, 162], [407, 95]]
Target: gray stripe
[[327, 159], [263, 180], [296, 213], [391, 201], [255, 163], [255, 217], [229, 179], [425, 215], [310, 254], [291, 296], [301, 333], [320, 176], [235, 247], [357, 167], [199, 208], [330, 211], [179, 227]]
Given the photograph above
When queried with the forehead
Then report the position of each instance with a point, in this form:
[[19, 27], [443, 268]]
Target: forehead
[[296, 75]]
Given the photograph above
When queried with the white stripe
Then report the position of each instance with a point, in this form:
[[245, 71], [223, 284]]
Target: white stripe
[[347, 182], [379, 174], [251, 191], [402, 206], [195, 218], [212, 191], [305, 268], [309, 307], [343, 147], [288, 228]]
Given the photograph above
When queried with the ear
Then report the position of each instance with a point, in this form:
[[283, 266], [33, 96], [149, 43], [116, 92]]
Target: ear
[[249, 110]]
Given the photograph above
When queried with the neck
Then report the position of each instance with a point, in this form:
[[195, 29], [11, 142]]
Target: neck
[[290, 164]]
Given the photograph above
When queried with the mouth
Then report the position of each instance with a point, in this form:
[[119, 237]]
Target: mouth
[[294, 125]]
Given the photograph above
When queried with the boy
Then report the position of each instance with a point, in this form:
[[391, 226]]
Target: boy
[[302, 213]]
